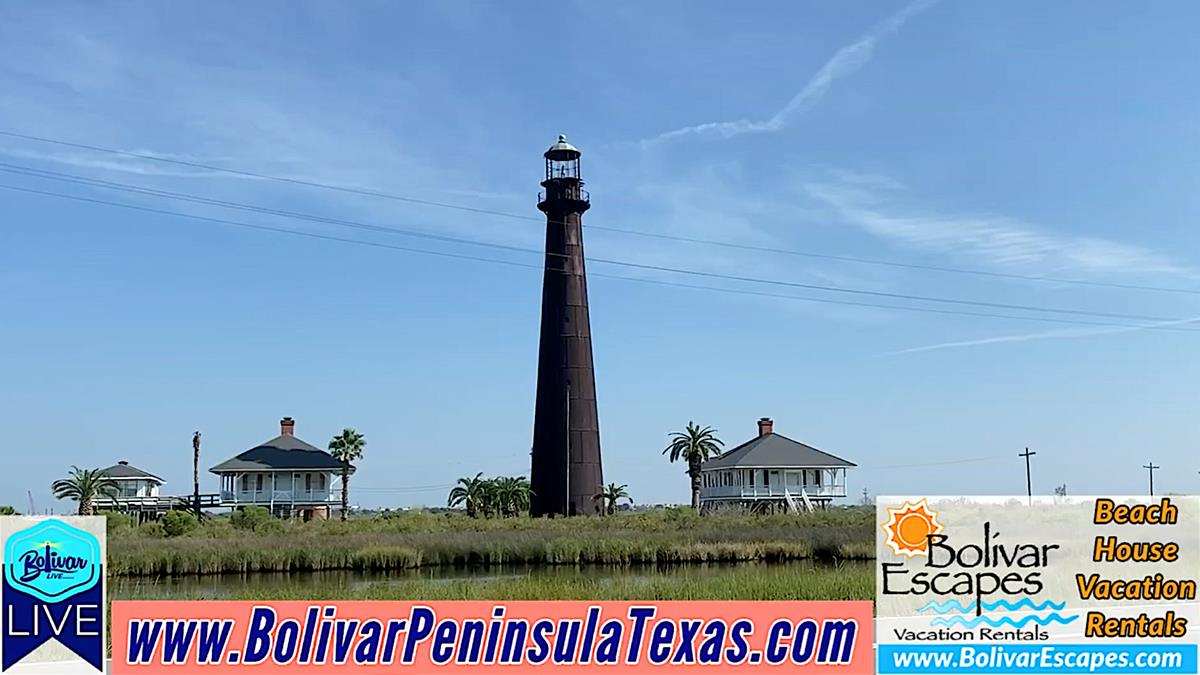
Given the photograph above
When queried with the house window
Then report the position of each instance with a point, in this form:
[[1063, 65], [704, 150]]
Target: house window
[[766, 478], [320, 481], [308, 482], [245, 482], [258, 481]]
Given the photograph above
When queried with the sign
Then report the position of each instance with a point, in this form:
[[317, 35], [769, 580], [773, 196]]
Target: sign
[[52, 593], [1048, 585], [491, 637]]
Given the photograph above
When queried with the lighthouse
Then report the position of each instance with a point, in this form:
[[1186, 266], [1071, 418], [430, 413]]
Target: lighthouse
[[566, 471]]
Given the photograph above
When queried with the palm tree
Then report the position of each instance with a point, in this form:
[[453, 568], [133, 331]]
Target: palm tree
[[611, 495], [347, 447], [84, 486], [512, 495], [694, 445], [489, 502], [196, 472], [469, 493]]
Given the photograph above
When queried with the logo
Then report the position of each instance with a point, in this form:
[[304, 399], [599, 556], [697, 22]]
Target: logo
[[909, 527], [52, 561], [53, 588]]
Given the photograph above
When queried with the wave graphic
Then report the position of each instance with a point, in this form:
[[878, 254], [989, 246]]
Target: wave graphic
[[950, 606], [1053, 617]]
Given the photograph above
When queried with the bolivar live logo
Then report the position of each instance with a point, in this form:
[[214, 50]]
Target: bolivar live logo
[[53, 588]]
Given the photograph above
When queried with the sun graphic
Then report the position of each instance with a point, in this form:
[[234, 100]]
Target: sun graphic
[[908, 528]]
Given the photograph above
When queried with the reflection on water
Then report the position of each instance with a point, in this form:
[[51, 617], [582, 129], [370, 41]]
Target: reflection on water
[[230, 585]]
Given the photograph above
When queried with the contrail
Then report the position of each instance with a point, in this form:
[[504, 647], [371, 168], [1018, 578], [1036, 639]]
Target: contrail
[[844, 62], [1043, 335]]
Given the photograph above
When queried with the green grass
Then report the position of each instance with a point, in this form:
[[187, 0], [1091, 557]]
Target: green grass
[[421, 539]]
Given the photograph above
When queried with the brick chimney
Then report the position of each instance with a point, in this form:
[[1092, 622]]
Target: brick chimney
[[765, 426], [287, 426]]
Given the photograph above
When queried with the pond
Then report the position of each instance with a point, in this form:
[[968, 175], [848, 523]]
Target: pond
[[342, 582]]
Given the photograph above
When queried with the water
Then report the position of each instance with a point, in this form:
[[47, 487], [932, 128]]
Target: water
[[223, 586]]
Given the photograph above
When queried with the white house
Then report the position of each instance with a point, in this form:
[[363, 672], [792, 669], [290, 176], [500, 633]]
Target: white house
[[772, 471], [131, 481], [284, 474], [137, 493]]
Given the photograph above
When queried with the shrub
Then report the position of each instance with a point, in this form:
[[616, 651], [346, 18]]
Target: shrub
[[268, 526], [7, 510], [118, 522], [179, 523], [216, 528], [152, 529], [251, 518]]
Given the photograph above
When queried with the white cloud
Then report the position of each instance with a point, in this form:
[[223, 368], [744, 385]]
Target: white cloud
[[844, 62], [869, 203]]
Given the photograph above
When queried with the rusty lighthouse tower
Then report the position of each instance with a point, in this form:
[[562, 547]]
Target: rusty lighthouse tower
[[565, 473]]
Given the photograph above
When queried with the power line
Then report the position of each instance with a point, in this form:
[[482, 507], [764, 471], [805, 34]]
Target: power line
[[968, 460], [254, 208], [268, 228], [413, 488], [408, 232], [875, 305], [407, 249], [693, 240], [897, 264], [885, 294]]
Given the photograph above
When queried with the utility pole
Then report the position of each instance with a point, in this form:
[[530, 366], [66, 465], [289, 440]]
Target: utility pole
[[196, 474], [1151, 467], [1028, 476]]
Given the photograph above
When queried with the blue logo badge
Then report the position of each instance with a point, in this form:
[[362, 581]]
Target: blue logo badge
[[52, 588], [52, 561]]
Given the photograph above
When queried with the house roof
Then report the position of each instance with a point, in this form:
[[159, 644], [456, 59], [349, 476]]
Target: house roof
[[280, 453], [773, 450], [124, 470]]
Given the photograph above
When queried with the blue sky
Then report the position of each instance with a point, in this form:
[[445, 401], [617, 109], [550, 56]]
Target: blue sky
[[1013, 137]]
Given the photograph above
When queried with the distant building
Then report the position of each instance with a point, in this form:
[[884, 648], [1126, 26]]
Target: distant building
[[773, 472], [138, 495], [290, 477], [131, 481]]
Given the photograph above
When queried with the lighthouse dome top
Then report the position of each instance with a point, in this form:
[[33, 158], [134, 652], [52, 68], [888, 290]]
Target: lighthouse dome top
[[562, 151]]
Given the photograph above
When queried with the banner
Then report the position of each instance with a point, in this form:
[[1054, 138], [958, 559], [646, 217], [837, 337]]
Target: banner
[[1041, 585], [491, 637], [52, 594]]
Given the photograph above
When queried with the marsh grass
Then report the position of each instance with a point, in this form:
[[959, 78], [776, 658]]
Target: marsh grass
[[421, 539]]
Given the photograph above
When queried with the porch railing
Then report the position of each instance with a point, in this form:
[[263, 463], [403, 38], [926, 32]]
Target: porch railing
[[266, 496], [773, 491]]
